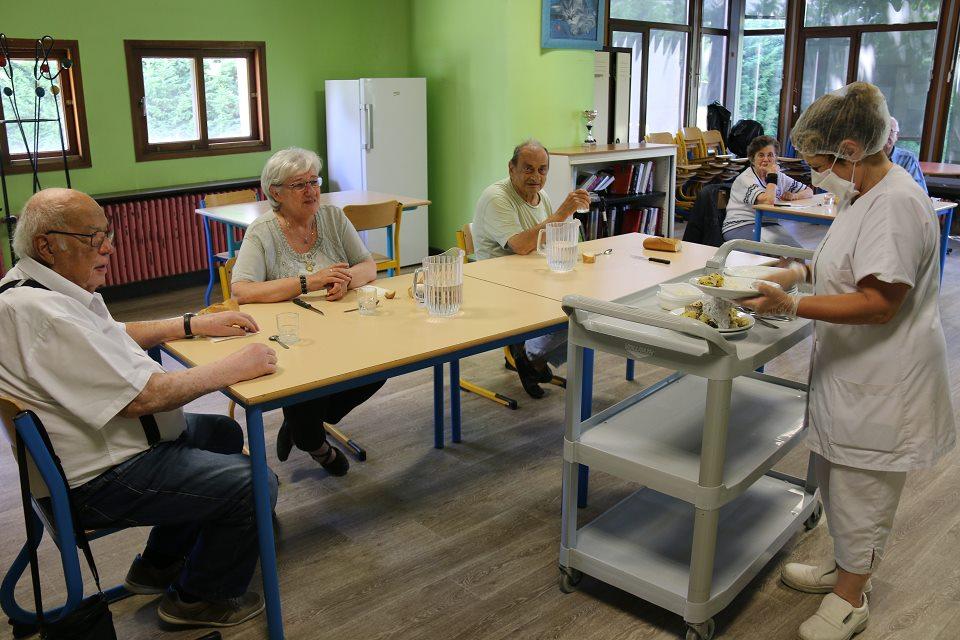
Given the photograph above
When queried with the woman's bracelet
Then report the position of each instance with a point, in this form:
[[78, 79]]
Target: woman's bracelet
[[303, 284]]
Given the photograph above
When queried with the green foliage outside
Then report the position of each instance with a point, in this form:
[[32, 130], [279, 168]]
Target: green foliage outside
[[761, 74], [25, 83], [669, 11], [170, 90], [849, 12]]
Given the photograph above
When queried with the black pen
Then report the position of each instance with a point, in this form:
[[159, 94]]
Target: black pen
[[306, 305]]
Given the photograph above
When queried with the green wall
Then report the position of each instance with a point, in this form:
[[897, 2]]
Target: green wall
[[489, 86], [308, 41]]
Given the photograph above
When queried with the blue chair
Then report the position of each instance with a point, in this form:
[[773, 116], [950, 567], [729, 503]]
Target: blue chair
[[54, 515], [216, 200]]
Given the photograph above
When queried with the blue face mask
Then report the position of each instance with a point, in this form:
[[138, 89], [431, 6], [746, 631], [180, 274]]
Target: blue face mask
[[844, 190]]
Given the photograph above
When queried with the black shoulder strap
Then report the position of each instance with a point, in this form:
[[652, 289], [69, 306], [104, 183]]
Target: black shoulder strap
[[22, 283], [148, 422]]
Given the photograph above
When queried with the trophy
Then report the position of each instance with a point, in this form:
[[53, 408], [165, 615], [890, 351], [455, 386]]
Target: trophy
[[590, 115]]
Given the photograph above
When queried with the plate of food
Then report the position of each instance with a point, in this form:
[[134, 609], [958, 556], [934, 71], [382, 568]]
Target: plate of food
[[728, 287], [723, 318], [755, 271]]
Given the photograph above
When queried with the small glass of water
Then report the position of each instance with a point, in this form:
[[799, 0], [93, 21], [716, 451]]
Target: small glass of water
[[367, 300], [828, 201], [288, 327]]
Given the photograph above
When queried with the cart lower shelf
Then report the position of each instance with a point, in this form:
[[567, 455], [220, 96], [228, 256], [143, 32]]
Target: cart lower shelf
[[643, 544]]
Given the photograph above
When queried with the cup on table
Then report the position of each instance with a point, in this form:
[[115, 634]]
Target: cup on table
[[828, 201], [288, 327], [367, 300]]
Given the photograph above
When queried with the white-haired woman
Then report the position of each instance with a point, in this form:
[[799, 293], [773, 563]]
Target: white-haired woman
[[879, 400], [299, 247]]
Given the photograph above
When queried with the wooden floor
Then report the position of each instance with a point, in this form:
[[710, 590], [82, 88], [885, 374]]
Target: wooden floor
[[462, 543]]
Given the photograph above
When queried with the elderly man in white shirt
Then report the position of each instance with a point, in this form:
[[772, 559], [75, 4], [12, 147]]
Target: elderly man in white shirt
[[131, 456]]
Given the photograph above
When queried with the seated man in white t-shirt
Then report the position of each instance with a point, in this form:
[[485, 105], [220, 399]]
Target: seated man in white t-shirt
[[131, 456], [508, 218]]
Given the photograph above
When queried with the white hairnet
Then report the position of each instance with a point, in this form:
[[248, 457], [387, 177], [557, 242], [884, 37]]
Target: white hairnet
[[855, 112]]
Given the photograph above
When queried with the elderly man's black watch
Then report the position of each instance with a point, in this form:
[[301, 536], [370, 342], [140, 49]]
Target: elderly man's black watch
[[187, 333]]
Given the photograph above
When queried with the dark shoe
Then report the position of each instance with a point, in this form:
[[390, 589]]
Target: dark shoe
[[334, 461], [528, 375], [145, 579], [224, 613], [284, 442], [543, 372]]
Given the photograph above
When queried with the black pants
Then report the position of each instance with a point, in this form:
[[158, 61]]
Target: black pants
[[305, 419]]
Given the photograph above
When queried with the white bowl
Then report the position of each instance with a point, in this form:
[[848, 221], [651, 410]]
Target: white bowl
[[677, 294]]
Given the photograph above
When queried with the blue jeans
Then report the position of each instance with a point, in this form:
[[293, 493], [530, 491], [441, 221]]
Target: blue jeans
[[550, 347], [197, 494]]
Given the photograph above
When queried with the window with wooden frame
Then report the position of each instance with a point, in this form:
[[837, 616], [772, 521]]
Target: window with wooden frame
[[60, 110], [190, 99]]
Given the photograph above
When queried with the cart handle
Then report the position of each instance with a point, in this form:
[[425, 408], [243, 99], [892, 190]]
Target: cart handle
[[573, 303], [719, 259]]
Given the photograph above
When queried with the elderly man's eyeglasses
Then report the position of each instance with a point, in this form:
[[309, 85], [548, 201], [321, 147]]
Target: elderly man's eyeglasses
[[95, 239], [300, 185]]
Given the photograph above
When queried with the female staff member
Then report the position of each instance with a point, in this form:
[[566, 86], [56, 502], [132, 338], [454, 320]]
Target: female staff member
[[297, 248], [761, 183], [879, 399]]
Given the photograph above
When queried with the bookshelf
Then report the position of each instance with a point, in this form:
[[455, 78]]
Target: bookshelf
[[567, 164]]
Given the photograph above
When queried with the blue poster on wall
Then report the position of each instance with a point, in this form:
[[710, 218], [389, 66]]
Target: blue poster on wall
[[572, 24]]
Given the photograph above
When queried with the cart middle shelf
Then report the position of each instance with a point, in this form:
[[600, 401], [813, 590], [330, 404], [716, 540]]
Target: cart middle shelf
[[655, 439]]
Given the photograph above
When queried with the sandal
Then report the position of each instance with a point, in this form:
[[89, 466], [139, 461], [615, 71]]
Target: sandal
[[334, 461]]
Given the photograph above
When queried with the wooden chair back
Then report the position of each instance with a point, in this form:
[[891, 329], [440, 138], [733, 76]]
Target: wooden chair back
[[465, 240], [660, 137], [713, 142], [379, 215], [230, 197], [226, 276], [690, 139]]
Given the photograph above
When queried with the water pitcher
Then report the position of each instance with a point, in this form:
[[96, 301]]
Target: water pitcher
[[561, 245], [442, 289]]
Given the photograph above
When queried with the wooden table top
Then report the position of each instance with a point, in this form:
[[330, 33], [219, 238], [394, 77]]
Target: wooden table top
[[940, 169], [341, 346], [610, 277], [813, 207], [243, 214]]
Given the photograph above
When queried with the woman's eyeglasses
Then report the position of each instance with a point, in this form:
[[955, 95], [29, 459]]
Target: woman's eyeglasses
[[303, 184], [95, 239]]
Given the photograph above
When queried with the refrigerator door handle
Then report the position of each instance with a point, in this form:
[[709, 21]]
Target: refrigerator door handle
[[368, 116]]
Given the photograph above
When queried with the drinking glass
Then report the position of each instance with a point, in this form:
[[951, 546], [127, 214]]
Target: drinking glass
[[367, 300], [561, 245], [442, 291], [288, 327]]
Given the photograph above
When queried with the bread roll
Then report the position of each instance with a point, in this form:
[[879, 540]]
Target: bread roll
[[662, 244], [227, 305]]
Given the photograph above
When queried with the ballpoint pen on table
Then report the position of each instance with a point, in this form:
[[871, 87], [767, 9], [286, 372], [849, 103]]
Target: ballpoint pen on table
[[306, 305]]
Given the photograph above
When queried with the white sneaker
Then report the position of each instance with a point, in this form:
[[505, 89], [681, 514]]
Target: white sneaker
[[813, 579], [836, 619]]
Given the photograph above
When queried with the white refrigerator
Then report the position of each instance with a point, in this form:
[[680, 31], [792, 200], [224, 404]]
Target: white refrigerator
[[377, 141]]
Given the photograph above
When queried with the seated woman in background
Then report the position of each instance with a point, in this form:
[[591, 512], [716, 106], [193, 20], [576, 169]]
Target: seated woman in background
[[297, 248], [761, 183]]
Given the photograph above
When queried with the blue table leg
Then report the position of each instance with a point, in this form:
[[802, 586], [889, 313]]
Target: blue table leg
[[264, 516], [757, 224], [945, 240], [630, 370], [438, 406], [586, 410], [210, 260], [455, 400]]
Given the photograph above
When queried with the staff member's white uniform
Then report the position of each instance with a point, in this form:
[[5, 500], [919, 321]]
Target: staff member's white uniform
[[879, 394]]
